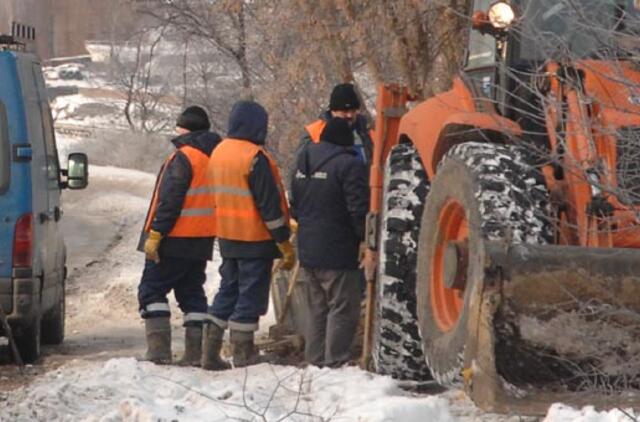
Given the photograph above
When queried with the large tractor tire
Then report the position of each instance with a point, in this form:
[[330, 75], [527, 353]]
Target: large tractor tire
[[481, 192], [396, 345]]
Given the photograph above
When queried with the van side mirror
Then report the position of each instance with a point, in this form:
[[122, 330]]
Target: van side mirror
[[78, 171]]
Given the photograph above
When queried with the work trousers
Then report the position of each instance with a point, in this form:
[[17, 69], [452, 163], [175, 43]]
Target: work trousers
[[334, 308], [186, 277], [243, 295]]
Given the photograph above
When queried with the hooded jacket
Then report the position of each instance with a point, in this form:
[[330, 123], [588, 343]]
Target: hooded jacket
[[249, 121], [330, 201], [172, 189]]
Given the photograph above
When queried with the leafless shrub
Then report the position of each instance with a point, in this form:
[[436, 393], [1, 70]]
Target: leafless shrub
[[287, 400]]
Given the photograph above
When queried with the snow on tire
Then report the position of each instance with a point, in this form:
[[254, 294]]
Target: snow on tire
[[503, 198], [513, 197], [397, 346]]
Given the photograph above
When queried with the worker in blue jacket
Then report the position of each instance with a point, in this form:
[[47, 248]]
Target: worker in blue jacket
[[330, 200]]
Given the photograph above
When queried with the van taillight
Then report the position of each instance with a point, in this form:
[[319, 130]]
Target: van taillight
[[23, 241]]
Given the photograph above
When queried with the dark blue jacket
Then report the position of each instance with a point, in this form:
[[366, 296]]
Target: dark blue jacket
[[330, 201], [249, 121], [172, 191]]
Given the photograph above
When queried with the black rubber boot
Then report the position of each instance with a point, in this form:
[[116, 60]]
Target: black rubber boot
[[212, 345], [192, 347], [244, 350], [158, 334]]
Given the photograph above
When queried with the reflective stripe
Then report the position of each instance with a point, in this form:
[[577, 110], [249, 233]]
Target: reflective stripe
[[195, 316], [202, 190], [193, 212], [275, 224], [219, 322], [232, 190], [157, 307], [243, 326], [207, 190]]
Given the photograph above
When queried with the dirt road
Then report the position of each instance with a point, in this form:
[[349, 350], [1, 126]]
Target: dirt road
[[101, 226]]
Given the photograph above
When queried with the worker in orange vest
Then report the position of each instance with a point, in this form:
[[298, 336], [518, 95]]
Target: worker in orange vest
[[252, 220], [178, 240], [345, 104]]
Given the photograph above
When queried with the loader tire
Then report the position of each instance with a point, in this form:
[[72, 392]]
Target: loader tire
[[396, 345], [480, 192]]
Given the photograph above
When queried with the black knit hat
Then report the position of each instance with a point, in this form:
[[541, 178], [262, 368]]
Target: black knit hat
[[194, 118], [344, 97], [338, 131]]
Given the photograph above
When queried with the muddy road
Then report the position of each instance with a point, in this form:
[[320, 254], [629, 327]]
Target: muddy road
[[101, 226]]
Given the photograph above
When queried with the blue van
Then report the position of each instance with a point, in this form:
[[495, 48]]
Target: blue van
[[32, 251]]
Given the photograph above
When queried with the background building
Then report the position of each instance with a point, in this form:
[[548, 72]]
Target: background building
[[63, 26]]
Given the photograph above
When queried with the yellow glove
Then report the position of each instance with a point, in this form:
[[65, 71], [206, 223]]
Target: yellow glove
[[288, 255], [151, 246], [293, 225]]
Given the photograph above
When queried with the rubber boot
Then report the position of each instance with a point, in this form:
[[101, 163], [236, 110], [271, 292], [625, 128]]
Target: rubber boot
[[192, 347], [211, 347], [244, 350], [158, 333]]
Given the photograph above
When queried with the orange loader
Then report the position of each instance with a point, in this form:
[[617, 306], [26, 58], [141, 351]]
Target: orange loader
[[505, 214]]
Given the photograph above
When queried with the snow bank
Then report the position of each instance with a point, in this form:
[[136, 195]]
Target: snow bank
[[561, 413], [128, 390]]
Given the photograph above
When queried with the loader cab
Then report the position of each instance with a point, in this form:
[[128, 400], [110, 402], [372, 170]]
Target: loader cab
[[32, 250], [543, 30], [504, 63]]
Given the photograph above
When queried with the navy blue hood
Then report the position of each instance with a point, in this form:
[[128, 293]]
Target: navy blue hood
[[248, 120]]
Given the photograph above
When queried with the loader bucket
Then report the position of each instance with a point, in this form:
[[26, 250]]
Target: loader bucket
[[554, 324]]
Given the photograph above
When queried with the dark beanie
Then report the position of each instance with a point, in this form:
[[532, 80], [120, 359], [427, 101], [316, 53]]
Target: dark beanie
[[338, 131], [344, 97], [193, 118]]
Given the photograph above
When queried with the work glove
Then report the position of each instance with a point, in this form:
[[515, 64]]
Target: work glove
[[293, 225], [369, 263], [151, 246], [361, 250], [288, 254]]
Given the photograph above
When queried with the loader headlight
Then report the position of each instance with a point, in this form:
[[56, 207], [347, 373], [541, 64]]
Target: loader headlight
[[594, 182], [501, 15]]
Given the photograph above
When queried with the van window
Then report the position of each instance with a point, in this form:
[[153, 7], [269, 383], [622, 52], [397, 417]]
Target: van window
[[5, 150]]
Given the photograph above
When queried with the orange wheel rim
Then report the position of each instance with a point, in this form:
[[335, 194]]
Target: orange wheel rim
[[446, 303]]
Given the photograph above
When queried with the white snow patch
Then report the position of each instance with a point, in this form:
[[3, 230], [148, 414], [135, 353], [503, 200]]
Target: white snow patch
[[561, 413], [128, 390]]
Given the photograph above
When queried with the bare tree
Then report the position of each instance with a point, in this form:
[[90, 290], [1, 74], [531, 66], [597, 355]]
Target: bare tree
[[146, 95], [220, 24]]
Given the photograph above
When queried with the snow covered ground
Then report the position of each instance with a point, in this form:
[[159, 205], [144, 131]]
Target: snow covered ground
[[105, 272], [97, 377]]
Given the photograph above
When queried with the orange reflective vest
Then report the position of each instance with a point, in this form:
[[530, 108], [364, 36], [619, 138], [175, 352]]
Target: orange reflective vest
[[196, 218], [237, 216], [315, 130]]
